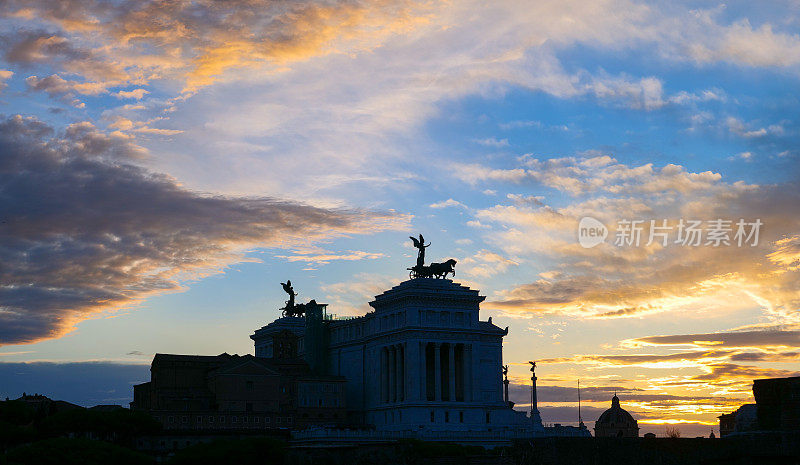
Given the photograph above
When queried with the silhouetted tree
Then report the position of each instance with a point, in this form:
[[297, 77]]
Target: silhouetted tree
[[416, 451], [63, 451], [16, 412], [240, 452], [119, 426]]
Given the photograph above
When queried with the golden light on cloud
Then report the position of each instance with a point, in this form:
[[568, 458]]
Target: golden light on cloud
[[198, 42], [351, 103], [672, 421]]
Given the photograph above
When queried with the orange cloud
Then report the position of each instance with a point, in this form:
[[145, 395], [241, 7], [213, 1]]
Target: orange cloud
[[612, 281], [135, 42], [775, 338]]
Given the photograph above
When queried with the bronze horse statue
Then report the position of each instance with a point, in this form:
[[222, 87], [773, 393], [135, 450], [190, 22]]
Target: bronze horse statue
[[292, 309], [434, 270]]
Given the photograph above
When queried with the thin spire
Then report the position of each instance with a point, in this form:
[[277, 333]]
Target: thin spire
[[580, 419]]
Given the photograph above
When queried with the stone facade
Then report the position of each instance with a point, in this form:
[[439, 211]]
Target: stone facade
[[422, 359], [232, 392]]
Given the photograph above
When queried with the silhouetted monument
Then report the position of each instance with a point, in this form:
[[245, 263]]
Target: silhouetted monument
[[422, 361], [434, 270], [293, 309], [420, 245], [287, 287], [536, 418]]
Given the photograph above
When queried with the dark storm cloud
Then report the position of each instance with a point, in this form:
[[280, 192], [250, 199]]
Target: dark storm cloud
[[82, 229]]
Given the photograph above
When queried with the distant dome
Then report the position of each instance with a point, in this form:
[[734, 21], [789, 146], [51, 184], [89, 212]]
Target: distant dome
[[616, 422]]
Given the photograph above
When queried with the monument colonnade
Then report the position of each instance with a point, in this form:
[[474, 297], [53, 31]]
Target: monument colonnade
[[444, 371]]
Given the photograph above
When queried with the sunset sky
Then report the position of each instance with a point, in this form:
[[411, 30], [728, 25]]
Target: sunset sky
[[165, 165]]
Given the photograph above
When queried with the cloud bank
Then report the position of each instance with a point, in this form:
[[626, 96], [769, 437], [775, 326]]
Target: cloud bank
[[83, 229], [611, 281]]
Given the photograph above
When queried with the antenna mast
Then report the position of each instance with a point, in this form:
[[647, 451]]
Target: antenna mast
[[580, 419]]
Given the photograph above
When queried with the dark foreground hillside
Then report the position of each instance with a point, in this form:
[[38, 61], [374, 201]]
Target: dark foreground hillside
[[79, 436], [568, 451]]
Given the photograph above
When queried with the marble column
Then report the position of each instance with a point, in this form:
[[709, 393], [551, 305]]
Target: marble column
[[468, 384], [391, 374], [451, 365], [460, 391], [422, 373], [401, 379], [396, 372], [437, 360], [384, 375]]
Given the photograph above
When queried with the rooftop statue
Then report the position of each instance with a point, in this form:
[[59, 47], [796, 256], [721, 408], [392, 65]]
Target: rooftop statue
[[287, 287], [291, 309], [420, 245], [434, 270]]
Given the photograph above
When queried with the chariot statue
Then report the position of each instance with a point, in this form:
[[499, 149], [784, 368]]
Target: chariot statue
[[291, 308], [434, 270]]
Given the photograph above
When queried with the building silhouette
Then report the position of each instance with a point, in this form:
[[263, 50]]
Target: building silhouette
[[616, 422], [745, 418], [777, 408], [778, 403], [421, 364], [232, 392], [422, 359]]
